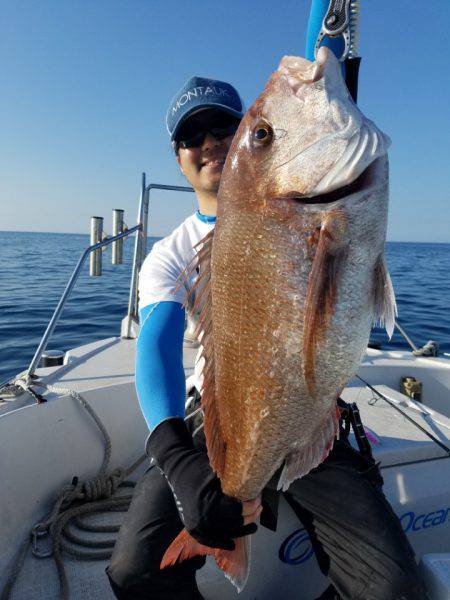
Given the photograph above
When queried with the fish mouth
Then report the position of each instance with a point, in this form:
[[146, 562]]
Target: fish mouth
[[359, 184]]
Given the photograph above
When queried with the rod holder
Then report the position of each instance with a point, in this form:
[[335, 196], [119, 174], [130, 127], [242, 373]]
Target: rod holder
[[95, 269], [118, 227]]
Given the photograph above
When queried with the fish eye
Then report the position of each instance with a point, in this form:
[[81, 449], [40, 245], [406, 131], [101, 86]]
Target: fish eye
[[263, 133]]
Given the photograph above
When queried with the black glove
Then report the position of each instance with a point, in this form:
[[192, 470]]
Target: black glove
[[210, 516]]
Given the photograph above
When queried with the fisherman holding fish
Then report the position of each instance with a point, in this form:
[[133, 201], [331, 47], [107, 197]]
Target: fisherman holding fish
[[363, 551]]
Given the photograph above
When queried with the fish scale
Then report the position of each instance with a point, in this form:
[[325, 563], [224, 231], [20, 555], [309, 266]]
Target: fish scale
[[259, 378]]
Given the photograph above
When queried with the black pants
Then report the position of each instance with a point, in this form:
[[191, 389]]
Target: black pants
[[357, 538]]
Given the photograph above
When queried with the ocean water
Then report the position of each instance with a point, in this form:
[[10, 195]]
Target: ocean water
[[35, 268]]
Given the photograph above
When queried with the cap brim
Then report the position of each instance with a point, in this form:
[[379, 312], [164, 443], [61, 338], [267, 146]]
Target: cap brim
[[197, 109]]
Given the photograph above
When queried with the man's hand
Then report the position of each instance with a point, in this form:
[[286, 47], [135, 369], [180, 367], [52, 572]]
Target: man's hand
[[210, 516], [251, 509]]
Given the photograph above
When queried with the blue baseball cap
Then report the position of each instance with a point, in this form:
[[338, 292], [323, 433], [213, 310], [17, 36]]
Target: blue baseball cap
[[199, 93]]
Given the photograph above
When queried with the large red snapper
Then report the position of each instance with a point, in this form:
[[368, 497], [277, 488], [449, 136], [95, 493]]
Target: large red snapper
[[292, 278]]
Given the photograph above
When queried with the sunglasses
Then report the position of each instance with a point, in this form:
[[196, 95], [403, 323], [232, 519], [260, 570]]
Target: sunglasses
[[193, 136]]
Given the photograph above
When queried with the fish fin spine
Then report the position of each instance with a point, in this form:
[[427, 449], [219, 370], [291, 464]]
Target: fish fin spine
[[200, 262], [199, 298]]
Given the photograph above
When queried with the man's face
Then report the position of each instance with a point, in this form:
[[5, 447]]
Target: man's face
[[202, 164]]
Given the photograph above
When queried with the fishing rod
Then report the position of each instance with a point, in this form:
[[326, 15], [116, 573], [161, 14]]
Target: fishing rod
[[405, 414], [335, 24]]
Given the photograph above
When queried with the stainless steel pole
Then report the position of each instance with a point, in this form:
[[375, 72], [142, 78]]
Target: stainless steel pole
[[145, 209], [96, 256], [142, 249], [132, 312], [117, 247], [144, 225]]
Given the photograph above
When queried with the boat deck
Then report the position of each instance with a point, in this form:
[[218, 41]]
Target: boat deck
[[87, 579], [59, 434]]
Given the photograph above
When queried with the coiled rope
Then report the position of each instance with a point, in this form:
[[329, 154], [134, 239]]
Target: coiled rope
[[90, 496]]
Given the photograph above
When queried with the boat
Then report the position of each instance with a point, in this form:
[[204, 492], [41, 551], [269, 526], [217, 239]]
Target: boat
[[72, 446]]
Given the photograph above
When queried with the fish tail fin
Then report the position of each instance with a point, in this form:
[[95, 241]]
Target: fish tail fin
[[234, 563], [184, 546], [300, 462]]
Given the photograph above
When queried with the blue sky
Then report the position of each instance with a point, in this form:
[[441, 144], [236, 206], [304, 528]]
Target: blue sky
[[86, 84]]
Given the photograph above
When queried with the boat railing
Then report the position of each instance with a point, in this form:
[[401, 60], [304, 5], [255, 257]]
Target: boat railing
[[140, 249], [94, 250]]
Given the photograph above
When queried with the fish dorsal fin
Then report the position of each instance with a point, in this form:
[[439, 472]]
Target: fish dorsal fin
[[328, 262], [199, 301], [384, 304]]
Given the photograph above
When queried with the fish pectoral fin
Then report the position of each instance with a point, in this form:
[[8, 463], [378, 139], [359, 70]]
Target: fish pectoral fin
[[383, 297], [328, 263], [300, 462], [234, 563]]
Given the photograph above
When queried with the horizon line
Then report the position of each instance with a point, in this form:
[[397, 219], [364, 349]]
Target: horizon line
[[150, 236]]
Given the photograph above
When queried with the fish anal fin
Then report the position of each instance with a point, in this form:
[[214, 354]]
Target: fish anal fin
[[383, 297], [328, 262], [300, 462], [215, 443], [234, 563]]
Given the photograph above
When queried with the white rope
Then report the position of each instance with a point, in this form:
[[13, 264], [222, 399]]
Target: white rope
[[25, 384], [85, 404]]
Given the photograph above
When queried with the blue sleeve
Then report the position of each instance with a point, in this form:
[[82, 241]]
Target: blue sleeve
[[160, 378], [316, 16]]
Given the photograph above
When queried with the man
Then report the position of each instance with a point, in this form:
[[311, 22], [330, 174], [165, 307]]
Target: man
[[364, 552]]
